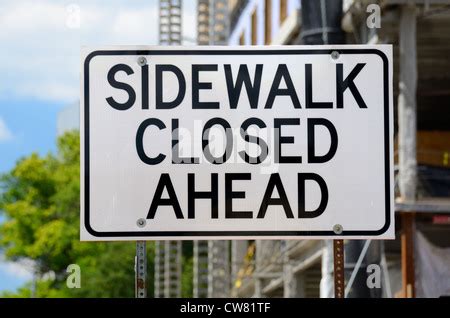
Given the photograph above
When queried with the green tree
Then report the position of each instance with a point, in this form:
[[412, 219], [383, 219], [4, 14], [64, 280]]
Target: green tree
[[39, 198], [187, 274]]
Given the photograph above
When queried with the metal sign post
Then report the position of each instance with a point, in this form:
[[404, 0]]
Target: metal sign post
[[141, 270], [338, 253]]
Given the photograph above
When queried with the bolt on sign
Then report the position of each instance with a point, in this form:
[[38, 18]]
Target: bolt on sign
[[237, 142]]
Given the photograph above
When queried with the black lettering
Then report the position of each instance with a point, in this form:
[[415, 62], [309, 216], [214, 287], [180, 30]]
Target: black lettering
[[275, 182], [175, 147], [228, 145], [145, 104], [309, 91], [279, 140], [301, 179], [243, 77], [160, 104], [140, 141], [312, 157], [120, 85], [253, 139], [275, 90], [197, 86], [213, 195], [165, 182], [342, 85], [230, 195]]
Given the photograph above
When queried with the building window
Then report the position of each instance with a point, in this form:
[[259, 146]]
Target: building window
[[254, 28], [268, 21], [283, 10]]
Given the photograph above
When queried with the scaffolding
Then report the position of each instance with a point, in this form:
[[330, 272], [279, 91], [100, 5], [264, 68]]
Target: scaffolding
[[168, 253], [159, 269], [203, 22], [219, 269], [213, 23], [200, 269], [219, 23], [212, 271], [172, 269], [170, 22], [305, 268]]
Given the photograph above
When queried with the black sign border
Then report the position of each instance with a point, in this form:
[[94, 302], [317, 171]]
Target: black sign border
[[112, 234]]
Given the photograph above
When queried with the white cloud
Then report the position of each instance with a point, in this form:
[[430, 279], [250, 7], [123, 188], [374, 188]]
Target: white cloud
[[26, 16], [41, 46], [5, 133], [16, 270], [135, 25], [51, 91]]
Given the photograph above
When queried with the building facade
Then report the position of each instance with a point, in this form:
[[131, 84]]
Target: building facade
[[419, 32]]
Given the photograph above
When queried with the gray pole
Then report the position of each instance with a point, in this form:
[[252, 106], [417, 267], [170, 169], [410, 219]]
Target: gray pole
[[407, 104], [407, 130], [212, 29], [168, 253], [322, 25], [141, 270]]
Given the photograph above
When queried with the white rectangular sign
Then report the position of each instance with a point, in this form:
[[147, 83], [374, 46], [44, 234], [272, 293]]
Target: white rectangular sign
[[237, 142]]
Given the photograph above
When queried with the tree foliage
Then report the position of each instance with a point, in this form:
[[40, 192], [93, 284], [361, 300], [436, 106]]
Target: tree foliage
[[40, 200]]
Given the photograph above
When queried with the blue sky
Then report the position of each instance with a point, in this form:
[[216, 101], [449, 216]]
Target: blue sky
[[31, 127], [39, 63]]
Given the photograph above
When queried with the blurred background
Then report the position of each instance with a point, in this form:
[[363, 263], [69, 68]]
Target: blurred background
[[39, 150]]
